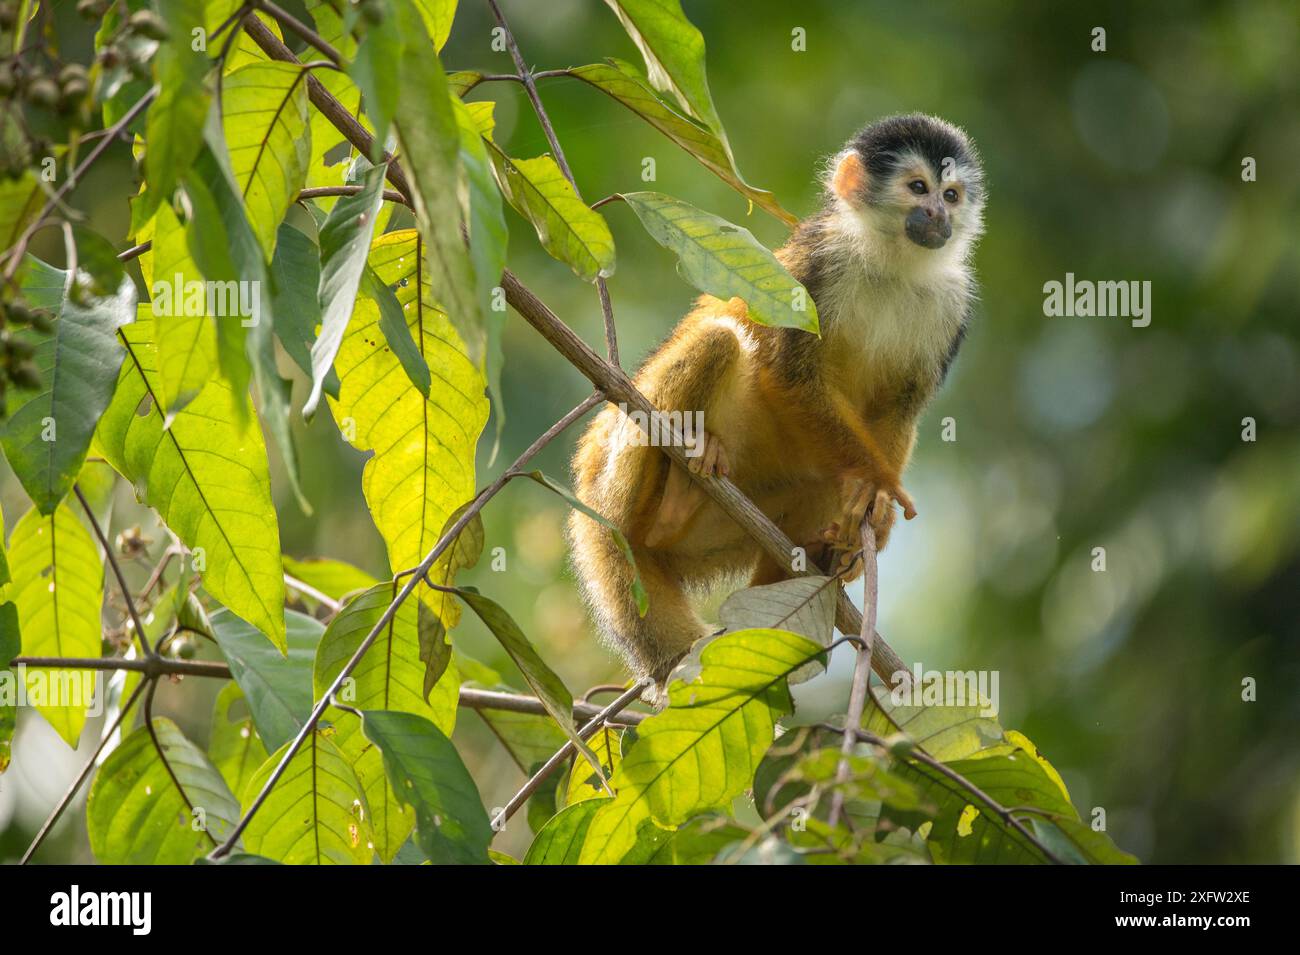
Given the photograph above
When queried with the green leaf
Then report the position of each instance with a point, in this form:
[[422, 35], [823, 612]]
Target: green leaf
[[560, 841], [265, 120], [186, 335], [329, 157], [701, 752], [674, 56], [333, 578], [567, 227], [550, 689], [389, 677], [802, 605], [392, 322], [423, 464], [174, 121], [622, 82], [945, 732], [316, 814], [135, 814], [208, 478], [234, 746], [58, 585], [295, 273], [10, 647], [278, 687], [725, 260], [374, 68], [462, 81], [427, 127], [638, 588], [427, 774], [344, 243], [47, 435]]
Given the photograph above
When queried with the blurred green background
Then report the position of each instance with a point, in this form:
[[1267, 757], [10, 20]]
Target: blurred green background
[[1072, 433]]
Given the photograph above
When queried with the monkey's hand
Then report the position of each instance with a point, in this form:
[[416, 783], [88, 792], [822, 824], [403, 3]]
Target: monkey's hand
[[864, 500], [712, 460]]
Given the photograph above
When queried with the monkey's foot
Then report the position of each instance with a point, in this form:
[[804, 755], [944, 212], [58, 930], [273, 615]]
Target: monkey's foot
[[867, 502], [712, 460]]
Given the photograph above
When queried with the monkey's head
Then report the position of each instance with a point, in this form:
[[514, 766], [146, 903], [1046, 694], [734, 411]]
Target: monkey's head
[[913, 179]]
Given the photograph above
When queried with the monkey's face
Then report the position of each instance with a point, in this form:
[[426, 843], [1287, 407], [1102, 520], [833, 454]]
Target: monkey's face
[[914, 180]]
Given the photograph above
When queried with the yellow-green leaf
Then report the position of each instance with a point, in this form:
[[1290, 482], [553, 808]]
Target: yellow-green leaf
[[58, 585], [234, 746], [622, 82], [725, 260], [206, 475], [701, 752], [265, 120], [316, 814], [186, 334], [566, 226], [136, 814], [423, 463]]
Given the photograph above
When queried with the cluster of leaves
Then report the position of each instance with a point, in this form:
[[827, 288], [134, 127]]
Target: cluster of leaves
[[259, 226]]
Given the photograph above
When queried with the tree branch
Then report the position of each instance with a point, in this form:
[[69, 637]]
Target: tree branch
[[861, 666]]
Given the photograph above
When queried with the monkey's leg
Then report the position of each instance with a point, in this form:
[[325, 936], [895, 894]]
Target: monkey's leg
[[651, 645]]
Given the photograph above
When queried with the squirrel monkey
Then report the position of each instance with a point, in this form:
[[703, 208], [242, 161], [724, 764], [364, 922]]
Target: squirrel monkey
[[816, 430]]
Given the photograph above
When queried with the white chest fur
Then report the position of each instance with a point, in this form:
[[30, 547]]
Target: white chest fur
[[893, 314]]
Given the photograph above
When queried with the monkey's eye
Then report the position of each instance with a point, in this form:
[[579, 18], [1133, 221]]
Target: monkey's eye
[[917, 186], [950, 195]]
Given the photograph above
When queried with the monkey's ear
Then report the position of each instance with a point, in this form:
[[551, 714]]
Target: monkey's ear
[[850, 179]]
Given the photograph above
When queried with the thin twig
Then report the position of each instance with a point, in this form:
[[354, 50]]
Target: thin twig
[[15, 252], [518, 799], [77, 783], [308, 590], [530, 88], [152, 685], [150, 666], [145, 649], [861, 667]]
